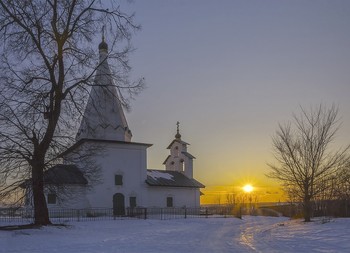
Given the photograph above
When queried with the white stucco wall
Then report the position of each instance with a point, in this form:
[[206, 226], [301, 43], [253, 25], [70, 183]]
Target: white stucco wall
[[128, 160], [189, 197], [188, 167]]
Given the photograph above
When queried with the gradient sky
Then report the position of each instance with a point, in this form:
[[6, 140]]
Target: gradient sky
[[230, 71]]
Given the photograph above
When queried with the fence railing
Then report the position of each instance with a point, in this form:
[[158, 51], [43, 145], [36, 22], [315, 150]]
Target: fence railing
[[59, 215], [18, 215]]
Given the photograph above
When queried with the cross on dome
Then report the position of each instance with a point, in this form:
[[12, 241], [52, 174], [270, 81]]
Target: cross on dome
[[103, 45], [178, 135]]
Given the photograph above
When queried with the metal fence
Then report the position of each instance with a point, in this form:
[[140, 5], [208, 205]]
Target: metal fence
[[61, 215]]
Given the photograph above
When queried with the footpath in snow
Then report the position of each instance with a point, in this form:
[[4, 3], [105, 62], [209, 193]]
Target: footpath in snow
[[251, 234]]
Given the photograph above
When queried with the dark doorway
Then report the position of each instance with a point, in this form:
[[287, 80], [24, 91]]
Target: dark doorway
[[118, 204]]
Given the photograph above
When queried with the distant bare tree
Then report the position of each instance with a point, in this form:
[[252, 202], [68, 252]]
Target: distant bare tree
[[342, 188], [46, 66], [304, 159], [217, 199], [231, 198]]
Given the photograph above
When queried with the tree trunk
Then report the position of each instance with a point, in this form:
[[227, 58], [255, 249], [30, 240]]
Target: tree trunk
[[41, 213], [307, 209]]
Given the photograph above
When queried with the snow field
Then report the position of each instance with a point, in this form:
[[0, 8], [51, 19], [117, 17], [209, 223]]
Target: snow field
[[251, 234]]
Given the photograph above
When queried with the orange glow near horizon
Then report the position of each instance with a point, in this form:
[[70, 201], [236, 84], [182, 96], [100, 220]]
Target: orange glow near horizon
[[228, 186], [262, 192]]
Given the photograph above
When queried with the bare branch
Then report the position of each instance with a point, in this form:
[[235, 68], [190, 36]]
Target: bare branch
[[302, 150], [47, 62]]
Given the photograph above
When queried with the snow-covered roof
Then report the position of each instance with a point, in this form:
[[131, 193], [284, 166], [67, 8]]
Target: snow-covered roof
[[171, 179], [64, 174], [156, 174], [61, 174]]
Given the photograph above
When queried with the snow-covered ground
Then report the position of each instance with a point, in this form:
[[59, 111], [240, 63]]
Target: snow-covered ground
[[251, 234]]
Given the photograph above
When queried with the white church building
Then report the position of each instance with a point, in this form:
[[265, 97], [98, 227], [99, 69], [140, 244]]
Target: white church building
[[124, 182]]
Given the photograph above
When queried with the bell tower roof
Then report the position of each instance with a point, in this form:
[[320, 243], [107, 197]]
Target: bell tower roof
[[104, 117], [177, 137]]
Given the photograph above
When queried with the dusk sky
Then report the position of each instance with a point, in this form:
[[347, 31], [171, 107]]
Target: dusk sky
[[230, 71]]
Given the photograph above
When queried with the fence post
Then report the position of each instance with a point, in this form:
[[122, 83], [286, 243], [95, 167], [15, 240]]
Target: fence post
[[161, 213], [185, 212], [145, 210], [346, 207], [78, 214], [206, 212]]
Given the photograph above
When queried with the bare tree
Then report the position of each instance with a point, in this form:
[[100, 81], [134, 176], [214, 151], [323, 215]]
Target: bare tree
[[304, 159], [231, 198], [342, 190], [46, 66]]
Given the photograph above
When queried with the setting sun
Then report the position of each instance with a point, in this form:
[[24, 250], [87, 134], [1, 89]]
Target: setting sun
[[248, 188]]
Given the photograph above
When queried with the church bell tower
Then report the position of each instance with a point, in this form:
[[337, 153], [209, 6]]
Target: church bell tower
[[179, 159]]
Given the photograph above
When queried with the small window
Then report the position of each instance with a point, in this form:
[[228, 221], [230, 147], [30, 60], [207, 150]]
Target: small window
[[177, 151], [51, 198], [118, 180], [132, 201], [169, 202]]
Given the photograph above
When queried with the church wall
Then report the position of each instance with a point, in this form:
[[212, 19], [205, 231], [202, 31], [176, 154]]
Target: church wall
[[188, 167], [175, 149], [128, 161], [182, 196]]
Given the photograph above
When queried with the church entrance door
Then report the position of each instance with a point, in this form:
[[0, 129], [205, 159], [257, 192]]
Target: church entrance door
[[118, 204]]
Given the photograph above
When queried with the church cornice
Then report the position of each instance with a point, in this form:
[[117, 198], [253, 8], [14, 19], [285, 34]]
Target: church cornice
[[188, 155], [179, 141], [166, 159], [81, 141]]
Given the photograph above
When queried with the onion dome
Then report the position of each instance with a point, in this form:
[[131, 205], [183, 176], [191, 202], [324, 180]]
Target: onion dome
[[103, 45]]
